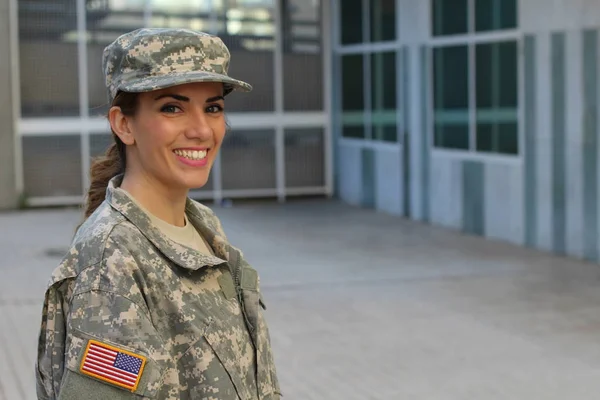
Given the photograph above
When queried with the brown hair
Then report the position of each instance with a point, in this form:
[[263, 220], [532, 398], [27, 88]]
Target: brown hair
[[112, 163]]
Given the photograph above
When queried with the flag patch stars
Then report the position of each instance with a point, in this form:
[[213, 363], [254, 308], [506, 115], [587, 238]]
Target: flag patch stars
[[113, 365]]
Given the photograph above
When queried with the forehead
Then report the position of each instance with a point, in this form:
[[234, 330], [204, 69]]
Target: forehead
[[196, 90]]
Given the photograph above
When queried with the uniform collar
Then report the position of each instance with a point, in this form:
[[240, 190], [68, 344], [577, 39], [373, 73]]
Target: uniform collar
[[181, 255]]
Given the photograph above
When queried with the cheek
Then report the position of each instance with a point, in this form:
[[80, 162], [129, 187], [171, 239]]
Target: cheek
[[153, 134], [219, 131]]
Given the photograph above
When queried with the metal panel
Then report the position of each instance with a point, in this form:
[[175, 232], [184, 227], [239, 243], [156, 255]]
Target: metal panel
[[543, 145], [473, 197], [426, 105], [503, 200], [574, 99], [369, 184], [349, 176], [304, 157], [248, 160], [558, 143], [530, 132], [446, 201], [52, 166], [389, 175], [590, 145]]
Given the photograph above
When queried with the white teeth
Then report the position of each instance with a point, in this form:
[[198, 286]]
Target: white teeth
[[191, 154]]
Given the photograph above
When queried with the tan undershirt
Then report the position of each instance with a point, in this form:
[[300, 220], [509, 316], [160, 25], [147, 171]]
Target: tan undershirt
[[186, 235]]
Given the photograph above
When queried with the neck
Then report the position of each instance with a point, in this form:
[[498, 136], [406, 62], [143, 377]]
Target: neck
[[161, 201]]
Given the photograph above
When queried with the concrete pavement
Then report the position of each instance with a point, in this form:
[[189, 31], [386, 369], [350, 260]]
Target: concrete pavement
[[362, 305]]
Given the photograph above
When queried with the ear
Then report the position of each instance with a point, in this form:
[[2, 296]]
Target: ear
[[121, 125]]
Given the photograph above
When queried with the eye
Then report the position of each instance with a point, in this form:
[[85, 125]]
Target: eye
[[170, 109], [214, 108]]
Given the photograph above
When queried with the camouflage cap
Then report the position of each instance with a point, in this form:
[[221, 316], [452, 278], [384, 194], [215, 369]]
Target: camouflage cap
[[155, 58]]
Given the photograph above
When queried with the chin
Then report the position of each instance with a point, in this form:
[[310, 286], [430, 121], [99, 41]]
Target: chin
[[196, 182]]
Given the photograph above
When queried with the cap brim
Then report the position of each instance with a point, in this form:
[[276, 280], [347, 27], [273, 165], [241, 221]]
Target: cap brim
[[161, 82]]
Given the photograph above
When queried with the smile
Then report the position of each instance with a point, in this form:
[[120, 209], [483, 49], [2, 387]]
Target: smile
[[191, 154]]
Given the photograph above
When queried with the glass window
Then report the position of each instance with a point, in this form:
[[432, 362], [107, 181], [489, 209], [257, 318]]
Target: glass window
[[492, 90], [507, 74], [304, 157], [383, 96], [452, 135], [498, 137], [496, 74], [451, 77], [383, 20], [248, 30], [352, 82], [450, 17], [351, 21], [248, 160], [107, 20], [48, 53], [99, 143], [495, 14], [353, 103], [451, 97], [496, 91], [302, 56], [52, 166], [190, 14]]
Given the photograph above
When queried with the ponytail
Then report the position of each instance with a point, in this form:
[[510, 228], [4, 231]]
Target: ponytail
[[113, 162], [103, 169]]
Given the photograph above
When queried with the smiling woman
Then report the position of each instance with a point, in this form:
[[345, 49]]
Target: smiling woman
[[152, 301], [171, 141]]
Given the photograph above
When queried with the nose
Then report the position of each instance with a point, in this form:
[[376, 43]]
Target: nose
[[198, 126]]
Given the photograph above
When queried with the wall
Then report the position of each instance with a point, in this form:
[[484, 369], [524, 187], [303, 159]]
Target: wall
[[546, 197], [561, 166], [8, 195]]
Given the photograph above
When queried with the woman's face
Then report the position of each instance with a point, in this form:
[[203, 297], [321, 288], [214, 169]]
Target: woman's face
[[177, 134]]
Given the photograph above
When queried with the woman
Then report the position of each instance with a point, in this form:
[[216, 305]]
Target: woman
[[152, 301]]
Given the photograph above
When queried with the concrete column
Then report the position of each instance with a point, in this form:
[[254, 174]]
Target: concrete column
[[8, 190]]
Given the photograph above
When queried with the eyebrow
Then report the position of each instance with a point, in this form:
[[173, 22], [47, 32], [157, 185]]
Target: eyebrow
[[187, 99]]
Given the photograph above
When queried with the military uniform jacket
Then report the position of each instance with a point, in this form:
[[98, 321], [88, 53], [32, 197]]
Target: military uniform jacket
[[130, 314]]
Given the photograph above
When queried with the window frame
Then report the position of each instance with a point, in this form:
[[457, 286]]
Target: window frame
[[471, 39], [366, 49]]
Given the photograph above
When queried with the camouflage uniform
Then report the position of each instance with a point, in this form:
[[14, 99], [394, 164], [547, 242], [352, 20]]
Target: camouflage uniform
[[195, 319]]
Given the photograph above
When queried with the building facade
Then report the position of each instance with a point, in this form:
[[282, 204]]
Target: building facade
[[280, 139], [477, 115]]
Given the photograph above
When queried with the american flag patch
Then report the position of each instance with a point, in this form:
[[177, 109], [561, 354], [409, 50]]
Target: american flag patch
[[113, 365]]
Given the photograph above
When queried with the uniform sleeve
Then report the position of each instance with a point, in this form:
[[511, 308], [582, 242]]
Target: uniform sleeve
[[111, 351], [50, 360]]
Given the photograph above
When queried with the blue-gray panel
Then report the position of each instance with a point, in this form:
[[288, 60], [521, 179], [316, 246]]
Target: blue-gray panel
[[590, 144], [473, 198], [388, 182], [368, 178], [559, 199], [349, 178], [530, 131], [425, 133], [406, 159]]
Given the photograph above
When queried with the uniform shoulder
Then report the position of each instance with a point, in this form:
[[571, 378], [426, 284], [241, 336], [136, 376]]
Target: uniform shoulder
[[88, 248]]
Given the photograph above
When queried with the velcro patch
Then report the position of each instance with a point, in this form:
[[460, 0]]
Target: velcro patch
[[249, 279], [113, 365], [227, 285]]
